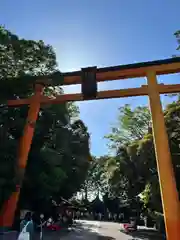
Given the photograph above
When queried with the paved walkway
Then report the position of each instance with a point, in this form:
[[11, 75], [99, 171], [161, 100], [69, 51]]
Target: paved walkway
[[94, 230]]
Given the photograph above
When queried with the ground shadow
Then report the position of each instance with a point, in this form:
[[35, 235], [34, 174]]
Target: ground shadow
[[146, 234], [79, 230], [53, 235], [89, 232]]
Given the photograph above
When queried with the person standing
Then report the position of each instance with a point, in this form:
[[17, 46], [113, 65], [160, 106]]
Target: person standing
[[42, 224], [27, 225]]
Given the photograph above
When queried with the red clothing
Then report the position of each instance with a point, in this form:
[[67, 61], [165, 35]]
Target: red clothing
[[54, 227]]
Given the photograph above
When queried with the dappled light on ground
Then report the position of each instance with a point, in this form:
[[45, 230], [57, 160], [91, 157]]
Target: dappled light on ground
[[95, 230]]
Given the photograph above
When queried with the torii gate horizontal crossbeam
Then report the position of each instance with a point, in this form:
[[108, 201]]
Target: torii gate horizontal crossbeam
[[130, 92]]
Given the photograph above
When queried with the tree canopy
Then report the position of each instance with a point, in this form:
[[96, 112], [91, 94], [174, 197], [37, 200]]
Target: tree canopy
[[177, 35], [131, 125], [131, 170], [59, 156]]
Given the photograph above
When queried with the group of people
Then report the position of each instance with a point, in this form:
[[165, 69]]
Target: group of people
[[98, 216], [34, 224]]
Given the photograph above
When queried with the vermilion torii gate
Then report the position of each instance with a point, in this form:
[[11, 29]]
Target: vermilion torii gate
[[88, 78]]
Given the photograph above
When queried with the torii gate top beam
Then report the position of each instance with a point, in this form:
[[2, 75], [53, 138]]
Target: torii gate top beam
[[160, 67], [166, 66], [135, 70]]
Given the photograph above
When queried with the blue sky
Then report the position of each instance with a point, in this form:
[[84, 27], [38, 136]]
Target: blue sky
[[99, 33]]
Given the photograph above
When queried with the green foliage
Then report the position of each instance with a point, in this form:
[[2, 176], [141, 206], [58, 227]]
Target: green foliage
[[22, 58], [177, 35], [132, 125], [96, 181], [132, 171], [59, 156], [132, 140]]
